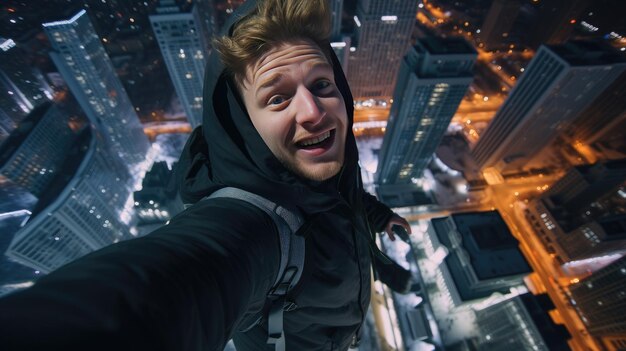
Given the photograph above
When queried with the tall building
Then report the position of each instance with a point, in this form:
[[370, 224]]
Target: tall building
[[6, 126], [204, 18], [158, 199], [583, 185], [558, 84], [223, 10], [603, 115], [22, 87], [181, 44], [520, 323], [383, 33], [481, 256], [336, 8], [495, 30], [16, 205], [555, 20], [88, 71], [80, 211], [601, 300], [341, 47], [580, 217], [433, 78], [36, 150]]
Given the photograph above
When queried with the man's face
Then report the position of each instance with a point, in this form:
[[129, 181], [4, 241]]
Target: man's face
[[294, 104]]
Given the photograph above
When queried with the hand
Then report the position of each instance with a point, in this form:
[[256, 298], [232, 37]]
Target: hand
[[399, 221]]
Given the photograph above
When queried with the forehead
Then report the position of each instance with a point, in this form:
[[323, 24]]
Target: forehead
[[286, 55]]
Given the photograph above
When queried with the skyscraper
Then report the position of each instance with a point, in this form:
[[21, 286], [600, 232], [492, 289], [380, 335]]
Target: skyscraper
[[204, 18], [85, 66], [498, 23], [158, 199], [22, 87], [16, 205], [80, 211], [35, 152], [181, 44], [603, 115], [555, 21], [481, 255], [600, 300], [521, 323], [383, 32], [6, 126], [580, 217], [433, 78], [558, 84], [583, 185], [336, 8]]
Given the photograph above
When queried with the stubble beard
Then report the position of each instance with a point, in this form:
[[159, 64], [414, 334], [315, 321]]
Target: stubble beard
[[318, 173]]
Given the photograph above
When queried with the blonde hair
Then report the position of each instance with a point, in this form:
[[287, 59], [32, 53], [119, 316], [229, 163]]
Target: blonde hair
[[270, 23]]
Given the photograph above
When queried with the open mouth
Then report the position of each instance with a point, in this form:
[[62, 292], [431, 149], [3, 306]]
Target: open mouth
[[323, 140]]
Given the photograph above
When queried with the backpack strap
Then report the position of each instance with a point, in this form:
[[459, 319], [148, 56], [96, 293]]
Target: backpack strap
[[288, 222]]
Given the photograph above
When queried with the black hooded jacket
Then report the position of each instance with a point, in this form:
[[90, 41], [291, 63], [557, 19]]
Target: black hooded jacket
[[192, 284]]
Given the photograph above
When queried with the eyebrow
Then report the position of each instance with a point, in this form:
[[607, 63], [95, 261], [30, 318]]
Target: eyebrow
[[271, 80], [276, 77]]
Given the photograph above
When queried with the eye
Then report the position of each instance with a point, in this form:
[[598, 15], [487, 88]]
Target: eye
[[321, 85], [276, 100]]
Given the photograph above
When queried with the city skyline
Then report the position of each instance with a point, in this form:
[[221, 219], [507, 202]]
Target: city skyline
[[494, 125]]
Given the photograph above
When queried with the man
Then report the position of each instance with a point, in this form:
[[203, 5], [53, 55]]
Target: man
[[277, 123]]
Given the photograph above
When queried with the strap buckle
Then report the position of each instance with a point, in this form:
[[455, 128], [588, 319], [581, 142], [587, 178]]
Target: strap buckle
[[289, 306], [285, 283]]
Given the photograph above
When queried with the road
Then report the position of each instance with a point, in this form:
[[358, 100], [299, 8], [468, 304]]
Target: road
[[155, 128], [542, 263]]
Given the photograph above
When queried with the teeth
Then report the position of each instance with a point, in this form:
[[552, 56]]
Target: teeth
[[316, 140]]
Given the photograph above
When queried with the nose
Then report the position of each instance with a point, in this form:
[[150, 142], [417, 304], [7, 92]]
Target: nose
[[308, 108]]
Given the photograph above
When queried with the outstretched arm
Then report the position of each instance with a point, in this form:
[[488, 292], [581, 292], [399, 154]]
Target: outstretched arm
[[396, 220], [184, 287], [381, 216]]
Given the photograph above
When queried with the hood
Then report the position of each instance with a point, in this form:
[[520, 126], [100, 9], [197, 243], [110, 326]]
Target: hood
[[227, 151]]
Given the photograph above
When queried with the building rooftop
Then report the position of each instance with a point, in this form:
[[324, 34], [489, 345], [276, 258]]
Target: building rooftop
[[487, 247], [554, 335], [447, 46], [492, 248], [588, 53]]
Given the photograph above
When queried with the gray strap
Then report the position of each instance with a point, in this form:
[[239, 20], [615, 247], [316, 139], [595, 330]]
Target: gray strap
[[287, 221], [291, 257]]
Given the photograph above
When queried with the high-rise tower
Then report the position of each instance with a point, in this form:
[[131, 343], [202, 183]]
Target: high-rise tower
[[336, 8], [555, 21], [603, 115], [35, 152], [434, 77], [88, 71], [521, 323], [383, 32], [80, 211], [498, 23], [599, 298], [22, 87], [182, 47], [559, 83], [579, 217]]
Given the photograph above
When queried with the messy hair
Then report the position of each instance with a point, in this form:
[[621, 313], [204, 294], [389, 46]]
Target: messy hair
[[270, 23]]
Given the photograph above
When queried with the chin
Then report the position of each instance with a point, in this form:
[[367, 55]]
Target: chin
[[319, 172]]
